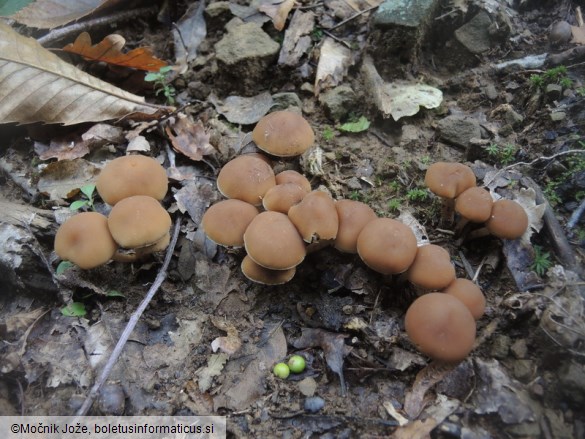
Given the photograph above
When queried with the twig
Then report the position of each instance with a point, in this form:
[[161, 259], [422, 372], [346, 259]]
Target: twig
[[353, 17], [576, 215], [75, 28], [579, 16], [162, 274]]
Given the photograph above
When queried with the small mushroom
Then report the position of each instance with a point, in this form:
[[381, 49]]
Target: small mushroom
[[432, 268], [282, 197], [132, 175], [266, 276], [226, 221], [353, 216], [508, 220], [283, 134], [85, 240], [468, 293], [292, 176], [387, 246], [474, 204], [441, 326], [273, 242], [315, 217], [246, 178], [138, 221]]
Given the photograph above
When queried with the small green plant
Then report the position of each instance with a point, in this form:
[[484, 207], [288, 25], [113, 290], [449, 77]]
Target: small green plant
[[328, 133], [426, 160], [317, 34], [355, 126], [537, 81], [88, 192], [394, 186], [503, 155], [542, 261], [63, 267], [580, 91], [355, 196], [417, 194], [556, 75], [75, 309], [161, 85], [394, 204]]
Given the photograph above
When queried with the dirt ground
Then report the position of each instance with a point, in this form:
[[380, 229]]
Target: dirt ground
[[525, 378]]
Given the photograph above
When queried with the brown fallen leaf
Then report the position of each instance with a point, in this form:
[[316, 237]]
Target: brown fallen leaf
[[189, 138], [416, 399], [37, 86], [109, 50], [229, 344], [278, 11], [578, 35]]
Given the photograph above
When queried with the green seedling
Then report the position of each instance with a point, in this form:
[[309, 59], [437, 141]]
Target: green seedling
[[75, 309], [88, 192], [503, 155], [63, 267], [556, 75], [328, 133], [161, 85], [417, 194], [394, 204], [542, 261], [357, 126]]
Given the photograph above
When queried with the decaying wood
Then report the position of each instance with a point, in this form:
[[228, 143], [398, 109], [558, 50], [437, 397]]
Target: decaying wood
[[40, 221]]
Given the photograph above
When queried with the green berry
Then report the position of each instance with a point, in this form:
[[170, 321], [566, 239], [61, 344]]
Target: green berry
[[296, 363], [281, 370]]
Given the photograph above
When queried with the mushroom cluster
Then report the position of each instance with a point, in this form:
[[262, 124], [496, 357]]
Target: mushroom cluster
[[137, 224]]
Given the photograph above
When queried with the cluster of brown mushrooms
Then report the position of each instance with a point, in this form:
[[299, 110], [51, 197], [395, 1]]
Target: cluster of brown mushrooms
[[137, 224]]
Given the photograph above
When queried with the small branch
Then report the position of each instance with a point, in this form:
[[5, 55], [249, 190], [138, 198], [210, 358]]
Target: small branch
[[353, 17], [576, 215], [579, 16], [162, 274]]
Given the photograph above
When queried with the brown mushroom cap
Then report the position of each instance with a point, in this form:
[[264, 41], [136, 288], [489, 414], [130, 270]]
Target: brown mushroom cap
[[432, 268], [387, 246], [246, 178], [353, 216], [448, 180], [474, 204], [470, 294], [226, 221], [315, 217], [266, 276], [138, 221], [508, 220], [132, 175], [272, 241], [283, 134], [282, 197], [291, 176], [85, 240], [441, 327]]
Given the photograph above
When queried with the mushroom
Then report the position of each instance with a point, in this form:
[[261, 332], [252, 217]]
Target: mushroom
[[353, 216], [85, 240], [283, 134], [387, 246], [282, 197], [441, 326], [131, 175], [508, 220], [226, 221], [272, 241], [432, 268], [315, 217], [292, 176], [448, 180], [139, 221], [474, 204], [246, 178], [468, 293], [266, 276]]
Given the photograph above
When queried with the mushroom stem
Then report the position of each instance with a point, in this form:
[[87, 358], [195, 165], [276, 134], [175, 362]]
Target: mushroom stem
[[447, 211]]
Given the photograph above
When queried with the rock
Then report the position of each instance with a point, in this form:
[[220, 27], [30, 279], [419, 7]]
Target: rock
[[572, 382], [314, 404], [553, 92], [519, 348], [522, 369], [512, 117], [308, 386], [112, 400], [560, 33], [557, 116], [243, 57], [500, 347], [458, 130], [286, 100], [491, 92], [475, 35], [338, 101], [525, 429]]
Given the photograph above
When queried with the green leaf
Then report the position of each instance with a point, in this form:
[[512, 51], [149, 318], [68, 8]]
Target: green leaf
[[151, 77], [362, 124], [115, 293], [76, 205], [88, 190], [75, 309], [165, 69], [63, 267], [9, 7]]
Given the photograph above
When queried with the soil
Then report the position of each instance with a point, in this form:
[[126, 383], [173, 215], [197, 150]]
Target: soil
[[524, 378]]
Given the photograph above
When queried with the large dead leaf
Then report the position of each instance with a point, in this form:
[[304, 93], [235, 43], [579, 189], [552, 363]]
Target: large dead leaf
[[37, 86], [109, 50], [189, 138], [278, 11], [334, 61]]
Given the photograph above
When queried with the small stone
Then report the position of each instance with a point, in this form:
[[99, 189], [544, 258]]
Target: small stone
[[519, 348], [474, 34], [560, 33], [513, 117], [522, 369], [111, 400], [307, 386], [500, 347], [491, 92], [286, 100], [557, 116], [458, 130], [526, 429], [553, 92], [338, 101], [313, 404]]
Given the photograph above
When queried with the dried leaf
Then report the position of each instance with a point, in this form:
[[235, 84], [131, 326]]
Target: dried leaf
[[334, 61], [109, 50], [277, 11], [578, 35], [215, 365], [188, 34], [241, 110], [194, 198], [37, 86], [138, 143], [415, 401], [61, 180], [189, 138], [297, 38], [21, 321]]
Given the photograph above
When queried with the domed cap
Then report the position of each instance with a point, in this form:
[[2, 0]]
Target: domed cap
[[282, 197], [85, 240], [246, 178], [272, 241], [508, 220], [474, 204], [448, 180], [432, 268], [283, 134], [441, 327], [291, 176], [132, 175], [225, 222], [262, 275], [138, 221], [315, 217], [353, 216], [470, 294], [387, 246]]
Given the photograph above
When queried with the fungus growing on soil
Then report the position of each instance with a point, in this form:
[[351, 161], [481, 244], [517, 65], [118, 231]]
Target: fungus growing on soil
[[226, 221], [291, 176], [432, 268], [273, 242], [468, 293], [441, 326], [387, 246], [508, 220], [282, 197], [474, 204], [265, 276], [283, 134], [353, 216], [131, 175], [315, 217], [246, 178], [85, 240]]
